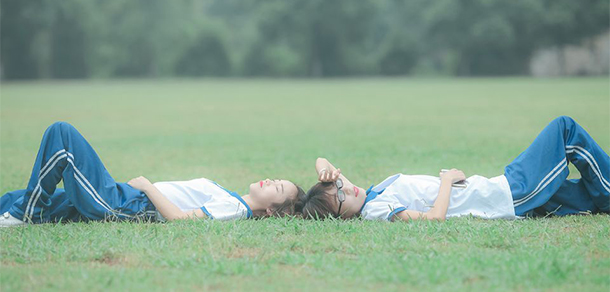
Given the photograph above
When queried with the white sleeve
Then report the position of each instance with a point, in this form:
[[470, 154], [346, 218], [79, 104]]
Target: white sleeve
[[383, 207], [225, 209]]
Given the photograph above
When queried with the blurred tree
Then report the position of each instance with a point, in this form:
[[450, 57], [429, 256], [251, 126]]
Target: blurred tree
[[324, 33], [400, 56], [494, 37], [67, 58], [206, 57], [18, 29], [150, 38]]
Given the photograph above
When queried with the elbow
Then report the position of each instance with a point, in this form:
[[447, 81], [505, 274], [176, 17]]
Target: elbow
[[436, 217], [174, 217], [171, 218]]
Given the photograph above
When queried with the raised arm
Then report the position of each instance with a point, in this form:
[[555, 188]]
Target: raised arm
[[168, 210], [439, 209], [328, 172]]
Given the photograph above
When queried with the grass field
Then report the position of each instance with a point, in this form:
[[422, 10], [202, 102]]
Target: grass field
[[240, 131]]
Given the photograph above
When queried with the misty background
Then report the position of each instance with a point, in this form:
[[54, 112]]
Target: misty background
[[74, 39]]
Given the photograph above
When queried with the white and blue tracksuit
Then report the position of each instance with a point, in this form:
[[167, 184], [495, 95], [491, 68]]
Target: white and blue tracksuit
[[533, 184], [537, 177], [89, 193]]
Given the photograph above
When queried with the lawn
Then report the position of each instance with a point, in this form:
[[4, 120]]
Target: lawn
[[240, 131]]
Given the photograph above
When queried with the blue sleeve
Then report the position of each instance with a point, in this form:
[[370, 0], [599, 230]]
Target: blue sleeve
[[205, 211], [396, 211]]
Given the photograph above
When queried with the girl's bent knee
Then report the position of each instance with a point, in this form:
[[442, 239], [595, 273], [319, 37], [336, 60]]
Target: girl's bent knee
[[567, 120], [62, 126]]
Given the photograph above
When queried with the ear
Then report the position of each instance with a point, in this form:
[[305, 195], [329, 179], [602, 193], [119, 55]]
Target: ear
[[269, 212]]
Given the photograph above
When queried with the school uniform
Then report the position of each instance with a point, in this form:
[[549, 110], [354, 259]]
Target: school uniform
[[215, 201], [533, 184], [90, 193], [483, 197]]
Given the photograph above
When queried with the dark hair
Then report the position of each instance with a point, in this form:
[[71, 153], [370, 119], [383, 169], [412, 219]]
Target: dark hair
[[289, 206], [317, 203]]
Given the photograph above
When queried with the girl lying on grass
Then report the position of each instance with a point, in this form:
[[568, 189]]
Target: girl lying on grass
[[90, 193], [533, 184]]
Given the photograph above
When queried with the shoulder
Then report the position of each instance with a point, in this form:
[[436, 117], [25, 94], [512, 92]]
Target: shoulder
[[382, 207]]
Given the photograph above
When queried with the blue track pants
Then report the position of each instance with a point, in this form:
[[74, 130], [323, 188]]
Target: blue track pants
[[537, 177], [89, 193]]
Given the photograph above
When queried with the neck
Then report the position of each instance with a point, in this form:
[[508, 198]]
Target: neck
[[257, 209]]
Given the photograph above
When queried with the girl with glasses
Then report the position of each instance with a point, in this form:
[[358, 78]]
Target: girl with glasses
[[90, 193], [533, 184]]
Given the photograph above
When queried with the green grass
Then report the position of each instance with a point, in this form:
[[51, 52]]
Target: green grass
[[239, 131]]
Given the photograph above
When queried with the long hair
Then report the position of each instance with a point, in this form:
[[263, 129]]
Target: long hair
[[288, 208], [317, 203]]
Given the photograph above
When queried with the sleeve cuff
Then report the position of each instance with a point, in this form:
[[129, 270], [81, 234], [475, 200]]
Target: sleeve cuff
[[206, 212], [395, 211]]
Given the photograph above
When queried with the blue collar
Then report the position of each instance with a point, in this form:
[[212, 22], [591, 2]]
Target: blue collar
[[237, 196], [370, 195]]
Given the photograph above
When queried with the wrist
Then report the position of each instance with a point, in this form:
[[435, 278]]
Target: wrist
[[447, 180], [148, 188]]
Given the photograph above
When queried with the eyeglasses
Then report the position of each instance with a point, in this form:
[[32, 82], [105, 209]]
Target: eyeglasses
[[340, 195]]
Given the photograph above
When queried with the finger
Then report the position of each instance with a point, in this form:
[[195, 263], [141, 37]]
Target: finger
[[322, 174]]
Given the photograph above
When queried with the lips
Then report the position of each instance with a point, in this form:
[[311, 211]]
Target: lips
[[356, 191], [261, 183]]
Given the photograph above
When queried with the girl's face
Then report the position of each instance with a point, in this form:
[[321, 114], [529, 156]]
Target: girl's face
[[354, 199], [272, 192]]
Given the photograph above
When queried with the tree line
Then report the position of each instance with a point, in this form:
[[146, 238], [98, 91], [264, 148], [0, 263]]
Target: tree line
[[293, 38]]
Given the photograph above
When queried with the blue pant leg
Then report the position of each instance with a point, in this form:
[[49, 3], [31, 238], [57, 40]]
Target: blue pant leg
[[136, 203], [8, 199], [61, 208], [65, 154], [537, 173], [571, 198], [592, 163]]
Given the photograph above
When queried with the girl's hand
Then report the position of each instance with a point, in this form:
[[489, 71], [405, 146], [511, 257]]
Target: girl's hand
[[326, 176], [452, 175], [141, 183]]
